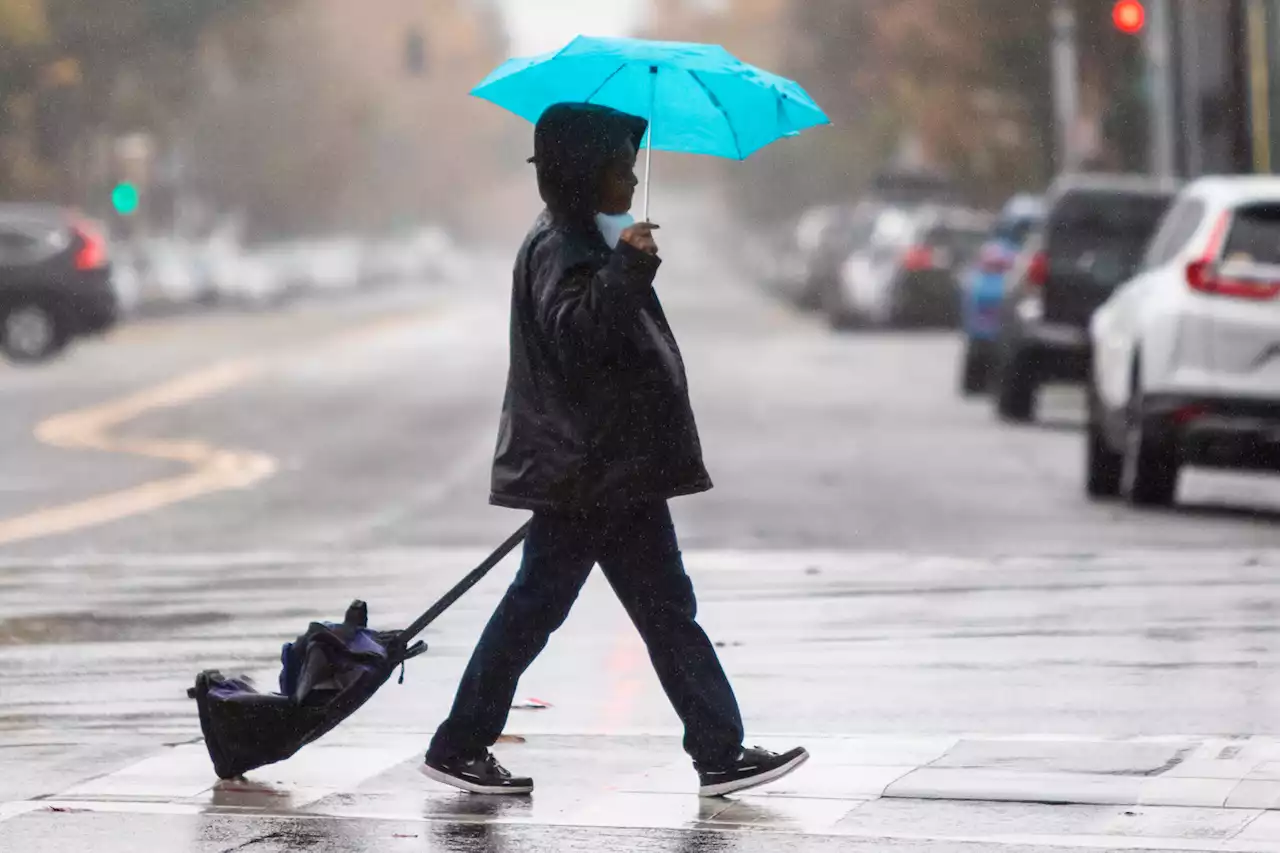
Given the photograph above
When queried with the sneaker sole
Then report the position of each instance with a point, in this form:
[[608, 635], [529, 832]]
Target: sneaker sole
[[471, 787], [744, 784]]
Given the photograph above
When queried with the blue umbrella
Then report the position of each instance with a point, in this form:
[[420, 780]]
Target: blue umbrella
[[698, 98]]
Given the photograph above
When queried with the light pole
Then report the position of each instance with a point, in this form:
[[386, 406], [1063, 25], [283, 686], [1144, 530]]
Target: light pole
[[1189, 87], [1066, 86], [1160, 85]]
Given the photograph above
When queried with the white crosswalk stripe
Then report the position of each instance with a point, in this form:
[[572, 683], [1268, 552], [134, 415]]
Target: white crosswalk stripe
[[1145, 793]]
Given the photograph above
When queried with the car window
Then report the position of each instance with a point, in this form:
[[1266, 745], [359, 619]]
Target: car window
[[1015, 231], [850, 234], [962, 243], [892, 228], [1177, 228], [1105, 218], [1255, 236], [1103, 235], [16, 245]]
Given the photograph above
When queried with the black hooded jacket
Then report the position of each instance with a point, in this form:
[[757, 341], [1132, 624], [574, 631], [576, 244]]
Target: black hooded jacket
[[596, 413]]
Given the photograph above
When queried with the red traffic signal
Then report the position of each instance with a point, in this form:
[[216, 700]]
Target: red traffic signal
[[1129, 16]]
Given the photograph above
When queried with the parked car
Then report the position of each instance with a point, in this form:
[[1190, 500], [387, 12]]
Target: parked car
[[775, 260], [55, 281], [1095, 232], [1186, 364], [332, 264], [808, 234], [423, 255], [826, 236], [171, 275], [241, 278], [846, 305], [982, 288], [907, 274]]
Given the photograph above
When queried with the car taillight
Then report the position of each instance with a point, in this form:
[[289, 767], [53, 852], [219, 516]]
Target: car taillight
[[918, 259], [1191, 412], [1204, 276], [1200, 276], [92, 254], [993, 259], [1038, 270]]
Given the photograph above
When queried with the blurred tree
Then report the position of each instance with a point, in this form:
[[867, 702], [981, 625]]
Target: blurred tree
[[72, 71], [22, 25], [972, 83], [958, 85], [309, 120], [24, 35], [134, 54]]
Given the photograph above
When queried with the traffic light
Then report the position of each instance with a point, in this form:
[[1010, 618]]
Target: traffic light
[[125, 198], [1129, 16]]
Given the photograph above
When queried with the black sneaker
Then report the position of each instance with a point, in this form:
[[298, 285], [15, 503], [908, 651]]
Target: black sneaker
[[753, 768], [478, 775]]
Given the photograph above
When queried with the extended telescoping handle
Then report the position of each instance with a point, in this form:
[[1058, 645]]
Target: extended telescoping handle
[[477, 574]]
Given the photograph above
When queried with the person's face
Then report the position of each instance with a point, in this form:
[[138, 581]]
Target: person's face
[[618, 184]]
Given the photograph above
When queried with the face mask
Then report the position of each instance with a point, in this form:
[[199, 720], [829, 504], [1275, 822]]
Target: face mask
[[612, 225]]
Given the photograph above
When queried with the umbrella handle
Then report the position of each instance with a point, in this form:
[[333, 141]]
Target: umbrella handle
[[648, 156]]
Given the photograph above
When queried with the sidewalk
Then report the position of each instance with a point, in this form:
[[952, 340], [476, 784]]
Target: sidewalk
[[907, 652], [1172, 793]]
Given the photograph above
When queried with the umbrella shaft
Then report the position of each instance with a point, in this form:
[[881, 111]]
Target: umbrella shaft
[[648, 172], [648, 154]]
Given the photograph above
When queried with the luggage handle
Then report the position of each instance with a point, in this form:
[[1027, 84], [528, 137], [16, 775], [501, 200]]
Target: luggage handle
[[474, 577]]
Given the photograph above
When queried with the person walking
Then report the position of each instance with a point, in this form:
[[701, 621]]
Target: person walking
[[596, 435]]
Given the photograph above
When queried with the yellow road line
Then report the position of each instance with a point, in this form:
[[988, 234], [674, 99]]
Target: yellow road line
[[212, 469]]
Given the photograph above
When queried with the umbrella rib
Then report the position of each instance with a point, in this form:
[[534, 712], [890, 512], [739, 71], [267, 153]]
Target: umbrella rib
[[606, 82], [716, 103]]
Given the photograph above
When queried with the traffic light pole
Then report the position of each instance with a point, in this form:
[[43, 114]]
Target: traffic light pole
[[1188, 91], [1066, 85], [1159, 50]]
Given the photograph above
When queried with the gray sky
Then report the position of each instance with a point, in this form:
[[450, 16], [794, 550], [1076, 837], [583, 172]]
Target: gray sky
[[542, 25]]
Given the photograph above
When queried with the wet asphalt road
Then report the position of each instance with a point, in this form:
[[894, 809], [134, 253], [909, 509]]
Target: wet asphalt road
[[380, 416], [879, 558]]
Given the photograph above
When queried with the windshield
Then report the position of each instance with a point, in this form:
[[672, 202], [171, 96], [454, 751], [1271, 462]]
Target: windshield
[[962, 243], [1015, 231], [1110, 219]]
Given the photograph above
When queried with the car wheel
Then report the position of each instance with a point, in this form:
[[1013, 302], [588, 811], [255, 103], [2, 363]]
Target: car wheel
[[844, 322], [904, 312], [1151, 464], [1103, 466], [1016, 389], [840, 316], [31, 331], [975, 368], [811, 295]]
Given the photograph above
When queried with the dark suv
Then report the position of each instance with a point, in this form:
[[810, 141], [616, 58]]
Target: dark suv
[[1095, 231], [55, 281]]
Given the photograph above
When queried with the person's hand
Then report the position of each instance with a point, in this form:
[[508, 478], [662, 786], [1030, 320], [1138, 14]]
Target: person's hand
[[640, 236]]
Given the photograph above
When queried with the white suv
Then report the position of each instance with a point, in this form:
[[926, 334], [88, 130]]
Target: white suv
[[1186, 355]]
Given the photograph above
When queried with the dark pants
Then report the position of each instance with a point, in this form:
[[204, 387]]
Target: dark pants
[[638, 552]]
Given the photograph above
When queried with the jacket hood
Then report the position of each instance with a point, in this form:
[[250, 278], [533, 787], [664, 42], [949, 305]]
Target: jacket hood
[[573, 142]]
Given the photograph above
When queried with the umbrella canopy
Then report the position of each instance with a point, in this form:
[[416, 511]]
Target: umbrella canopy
[[698, 98]]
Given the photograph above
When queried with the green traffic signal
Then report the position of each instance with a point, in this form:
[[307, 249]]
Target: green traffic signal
[[125, 199]]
